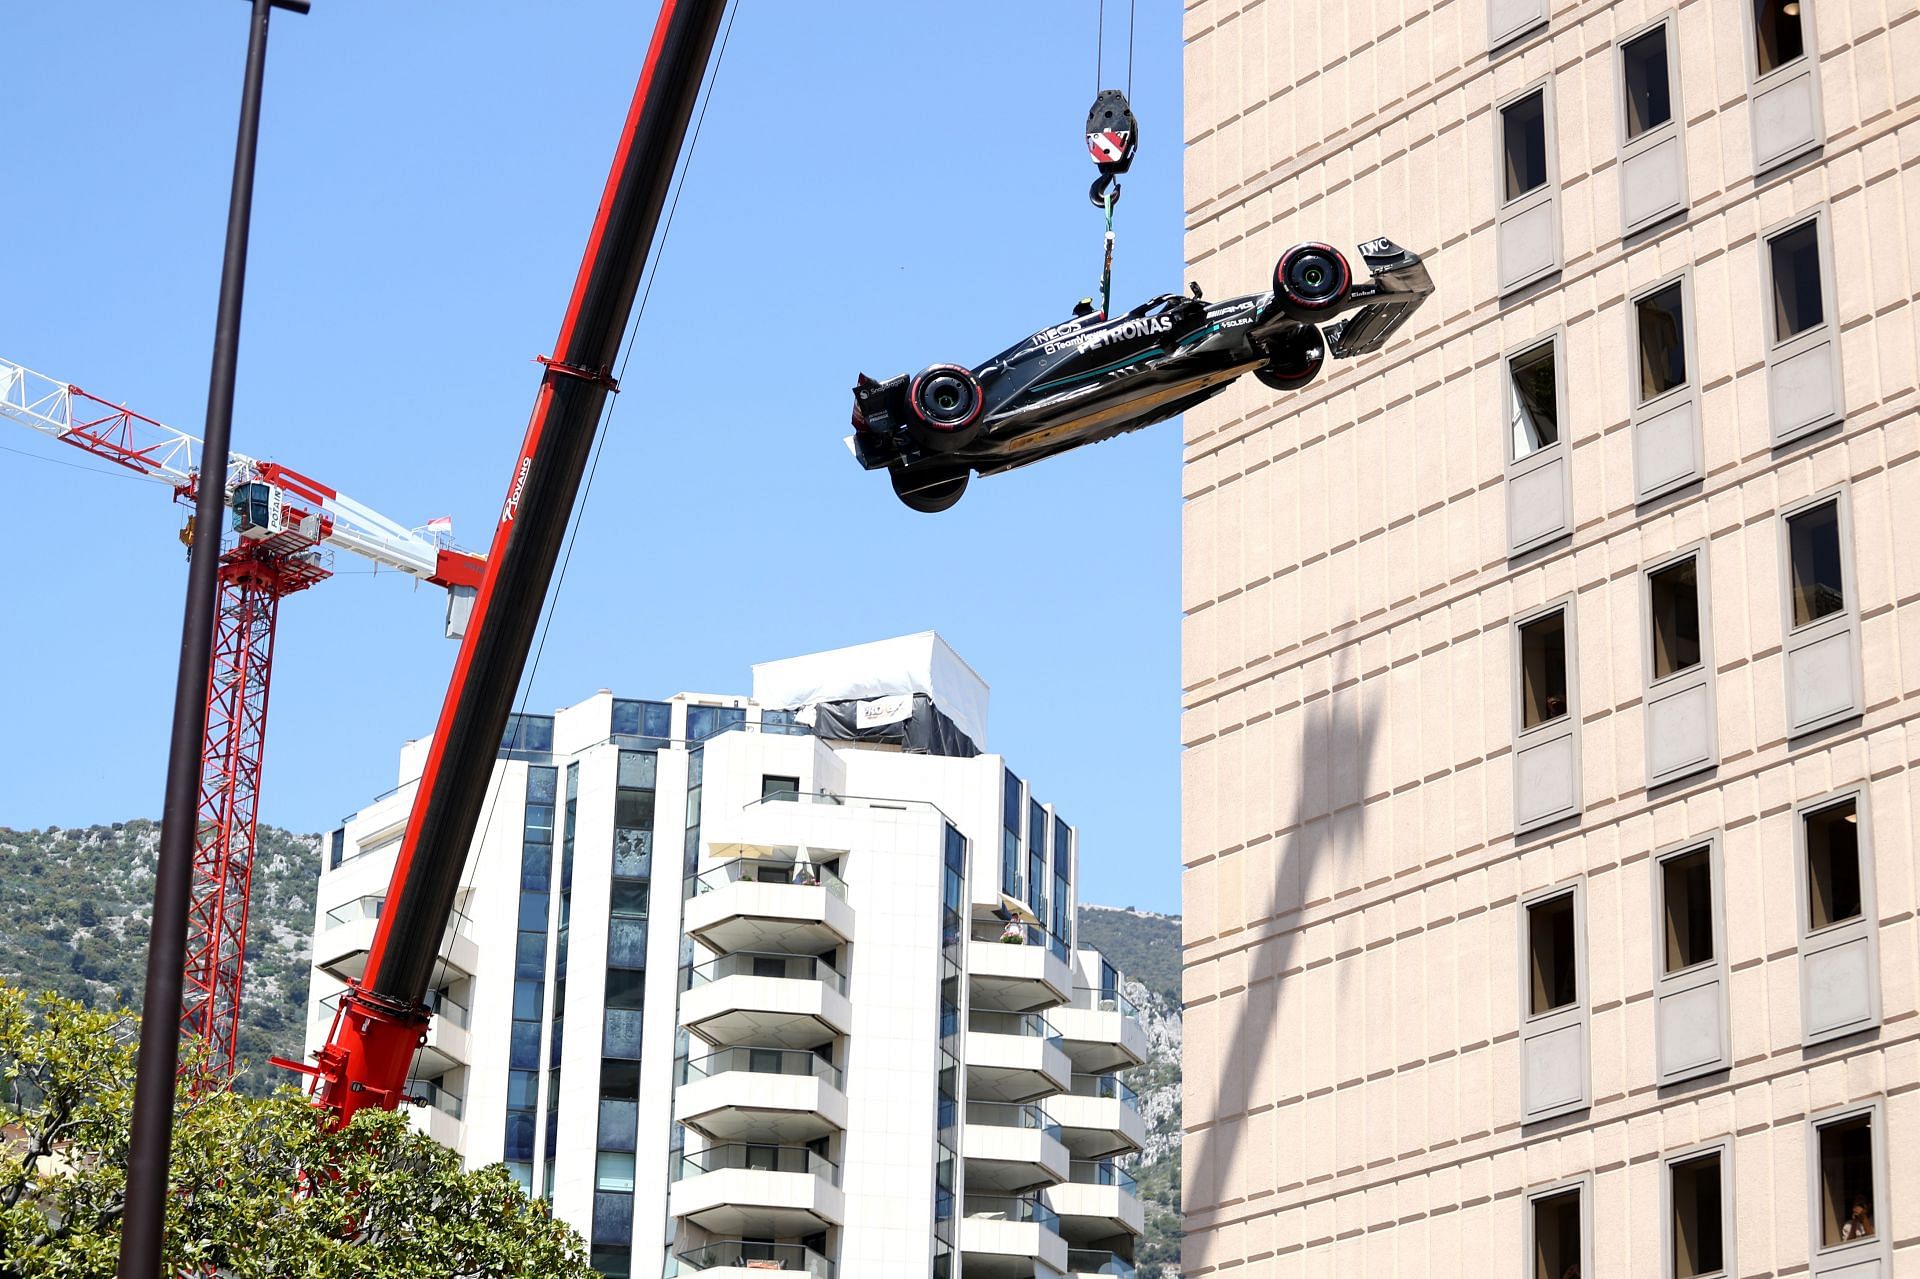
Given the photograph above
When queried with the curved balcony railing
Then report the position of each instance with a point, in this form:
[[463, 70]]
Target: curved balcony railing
[[1013, 1208], [1102, 1172], [1091, 1261], [796, 1159], [1010, 931], [743, 1254], [1109, 1086], [999, 1023], [760, 1061], [768, 870], [1008, 1114], [443, 1007], [747, 963], [1103, 999], [370, 906]]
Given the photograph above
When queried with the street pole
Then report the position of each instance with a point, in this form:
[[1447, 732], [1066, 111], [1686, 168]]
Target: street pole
[[150, 1154]]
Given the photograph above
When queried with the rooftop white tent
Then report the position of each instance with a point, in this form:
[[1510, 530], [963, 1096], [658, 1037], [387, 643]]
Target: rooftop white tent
[[871, 674]]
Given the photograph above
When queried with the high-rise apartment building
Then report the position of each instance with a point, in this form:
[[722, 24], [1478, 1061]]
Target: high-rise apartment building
[[1550, 684], [774, 985]]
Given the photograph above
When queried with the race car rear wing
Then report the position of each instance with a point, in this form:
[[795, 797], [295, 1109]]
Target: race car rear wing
[[1400, 284]]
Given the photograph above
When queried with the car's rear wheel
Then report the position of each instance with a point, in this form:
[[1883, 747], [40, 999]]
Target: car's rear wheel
[[946, 400], [1293, 359], [929, 492], [1310, 280]]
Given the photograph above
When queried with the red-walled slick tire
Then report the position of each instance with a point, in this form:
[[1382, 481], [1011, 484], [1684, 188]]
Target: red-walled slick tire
[[946, 400], [1310, 280]]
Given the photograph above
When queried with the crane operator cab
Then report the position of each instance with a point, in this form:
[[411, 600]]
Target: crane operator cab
[[258, 511]]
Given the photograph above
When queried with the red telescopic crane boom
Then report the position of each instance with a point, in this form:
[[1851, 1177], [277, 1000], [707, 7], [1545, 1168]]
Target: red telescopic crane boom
[[382, 1018]]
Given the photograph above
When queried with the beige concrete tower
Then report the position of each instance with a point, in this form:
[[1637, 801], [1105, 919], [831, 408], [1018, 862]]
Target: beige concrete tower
[[1552, 677]]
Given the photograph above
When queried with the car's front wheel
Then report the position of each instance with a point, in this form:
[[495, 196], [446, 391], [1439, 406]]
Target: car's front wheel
[[1293, 360], [1310, 280], [928, 492], [946, 400]]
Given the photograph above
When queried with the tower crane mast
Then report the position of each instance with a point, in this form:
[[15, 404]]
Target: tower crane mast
[[286, 525]]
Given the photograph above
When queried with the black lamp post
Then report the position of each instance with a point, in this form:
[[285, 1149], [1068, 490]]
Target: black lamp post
[[152, 1144]]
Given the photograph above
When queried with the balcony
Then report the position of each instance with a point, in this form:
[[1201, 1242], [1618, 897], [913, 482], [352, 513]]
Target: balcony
[[436, 1112], [1011, 968], [744, 1259], [1010, 1148], [1097, 1263], [775, 1095], [1010, 1237], [1101, 1031], [347, 936], [1096, 1202], [769, 903], [1014, 1057], [758, 1191], [784, 1001], [1099, 1117]]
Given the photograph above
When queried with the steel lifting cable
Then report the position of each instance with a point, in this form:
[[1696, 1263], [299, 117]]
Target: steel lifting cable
[[600, 439]]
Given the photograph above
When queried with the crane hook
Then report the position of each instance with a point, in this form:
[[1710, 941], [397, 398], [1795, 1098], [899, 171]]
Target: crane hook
[[1113, 135]]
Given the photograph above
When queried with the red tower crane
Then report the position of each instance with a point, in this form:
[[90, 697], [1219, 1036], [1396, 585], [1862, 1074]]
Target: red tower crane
[[285, 525]]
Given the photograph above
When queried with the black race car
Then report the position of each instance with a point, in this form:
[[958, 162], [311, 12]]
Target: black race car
[[1092, 377]]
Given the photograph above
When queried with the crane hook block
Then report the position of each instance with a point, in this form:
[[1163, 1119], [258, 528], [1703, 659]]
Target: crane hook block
[[1112, 133]]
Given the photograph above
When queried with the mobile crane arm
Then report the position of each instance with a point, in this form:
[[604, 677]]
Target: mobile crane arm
[[381, 1020]]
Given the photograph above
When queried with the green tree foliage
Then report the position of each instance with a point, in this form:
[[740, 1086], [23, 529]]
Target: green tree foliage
[[261, 1190]]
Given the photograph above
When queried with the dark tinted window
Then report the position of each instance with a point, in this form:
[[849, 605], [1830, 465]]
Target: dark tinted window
[[1686, 892], [1543, 670], [1645, 67], [1674, 598], [1776, 31], [1536, 400], [1833, 865], [1813, 547], [1797, 301], [1524, 144], [1553, 972], [1663, 346]]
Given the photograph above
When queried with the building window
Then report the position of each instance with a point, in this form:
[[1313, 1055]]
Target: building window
[[1539, 500], [1010, 809], [1698, 1217], [1848, 1210], [1794, 256], [1534, 384], [1528, 217], [1661, 320], [1675, 601], [1543, 670], [779, 787], [1686, 892], [1833, 865], [1777, 36], [1554, 1066], [1556, 1230], [1839, 942], [1523, 131], [1813, 551], [1820, 616], [1648, 88], [1552, 960]]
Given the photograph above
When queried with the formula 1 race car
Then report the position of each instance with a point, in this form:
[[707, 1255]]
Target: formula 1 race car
[[1093, 378]]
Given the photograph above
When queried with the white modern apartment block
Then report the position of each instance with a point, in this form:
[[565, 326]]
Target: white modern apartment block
[[774, 985], [1551, 702]]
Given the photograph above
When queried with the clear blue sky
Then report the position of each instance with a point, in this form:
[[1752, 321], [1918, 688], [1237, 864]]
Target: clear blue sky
[[878, 186]]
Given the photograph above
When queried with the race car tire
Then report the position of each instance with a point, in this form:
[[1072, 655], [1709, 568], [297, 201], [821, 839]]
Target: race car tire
[[946, 400], [1310, 280], [1293, 360], [925, 493]]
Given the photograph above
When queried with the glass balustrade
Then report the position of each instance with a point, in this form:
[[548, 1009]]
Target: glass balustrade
[[436, 1096], [1103, 1000], [1008, 1114], [1108, 1086], [1032, 1025], [1013, 1208], [1102, 1172], [744, 1155], [358, 909], [760, 1061], [1090, 1261], [769, 870], [757, 964], [741, 1254]]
